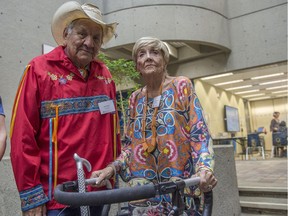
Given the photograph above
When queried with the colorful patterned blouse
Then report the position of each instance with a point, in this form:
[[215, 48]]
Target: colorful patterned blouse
[[184, 146]]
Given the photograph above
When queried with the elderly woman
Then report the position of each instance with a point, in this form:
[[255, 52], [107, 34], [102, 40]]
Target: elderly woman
[[167, 136], [59, 111], [274, 124]]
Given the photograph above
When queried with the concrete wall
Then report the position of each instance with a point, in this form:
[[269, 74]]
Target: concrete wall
[[258, 33], [180, 20], [254, 31], [256, 37], [9, 196]]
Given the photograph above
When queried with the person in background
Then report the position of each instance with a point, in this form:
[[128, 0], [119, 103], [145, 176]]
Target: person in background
[[167, 136], [65, 104], [283, 136], [3, 133], [274, 125]]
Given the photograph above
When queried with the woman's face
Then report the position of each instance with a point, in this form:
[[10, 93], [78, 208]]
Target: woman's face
[[83, 42], [150, 61]]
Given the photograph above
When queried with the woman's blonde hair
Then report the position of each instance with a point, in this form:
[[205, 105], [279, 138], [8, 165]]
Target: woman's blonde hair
[[151, 42]]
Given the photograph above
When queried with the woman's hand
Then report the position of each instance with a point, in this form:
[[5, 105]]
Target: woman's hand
[[103, 175], [207, 181], [38, 211]]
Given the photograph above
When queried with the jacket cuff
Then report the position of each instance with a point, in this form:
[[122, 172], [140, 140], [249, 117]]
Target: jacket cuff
[[32, 198]]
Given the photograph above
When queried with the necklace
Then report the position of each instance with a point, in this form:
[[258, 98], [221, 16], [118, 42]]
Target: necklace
[[150, 147]]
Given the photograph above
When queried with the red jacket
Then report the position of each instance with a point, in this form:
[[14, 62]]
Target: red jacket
[[42, 140]]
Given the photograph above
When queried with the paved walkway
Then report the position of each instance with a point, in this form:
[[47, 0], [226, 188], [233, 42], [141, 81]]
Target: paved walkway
[[263, 173]]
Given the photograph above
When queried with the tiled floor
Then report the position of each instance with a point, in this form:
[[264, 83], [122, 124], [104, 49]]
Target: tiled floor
[[259, 172]]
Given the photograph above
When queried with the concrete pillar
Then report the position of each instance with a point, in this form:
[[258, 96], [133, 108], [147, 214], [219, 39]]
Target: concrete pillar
[[226, 196]]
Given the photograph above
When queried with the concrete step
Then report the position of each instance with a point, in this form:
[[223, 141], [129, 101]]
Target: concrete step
[[278, 192], [266, 212], [263, 189], [263, 200], [247, 214]]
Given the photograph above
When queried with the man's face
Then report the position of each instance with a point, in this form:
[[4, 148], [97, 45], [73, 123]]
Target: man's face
[[83, 42]]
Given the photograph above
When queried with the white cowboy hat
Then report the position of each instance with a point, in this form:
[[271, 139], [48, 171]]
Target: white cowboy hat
[[72, 10]]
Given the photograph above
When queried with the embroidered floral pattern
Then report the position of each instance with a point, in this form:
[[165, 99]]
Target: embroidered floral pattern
[[70, 76], [182, 89], [71, 105], [62, 80], [106, 80], [32, 198], [52, 76]]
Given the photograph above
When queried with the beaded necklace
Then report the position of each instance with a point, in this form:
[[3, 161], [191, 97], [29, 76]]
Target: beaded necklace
[[150, 147]]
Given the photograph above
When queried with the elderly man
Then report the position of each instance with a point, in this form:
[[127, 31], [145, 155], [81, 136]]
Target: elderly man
[[65, 104]]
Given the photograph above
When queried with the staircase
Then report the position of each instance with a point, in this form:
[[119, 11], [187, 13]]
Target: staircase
[[265, 201]]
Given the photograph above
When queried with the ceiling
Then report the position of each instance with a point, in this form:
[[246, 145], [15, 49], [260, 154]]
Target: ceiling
[[247, 87], [259, 83]]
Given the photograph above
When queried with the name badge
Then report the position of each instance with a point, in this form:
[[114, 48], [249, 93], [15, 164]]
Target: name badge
[[106, 107], [156, 101]]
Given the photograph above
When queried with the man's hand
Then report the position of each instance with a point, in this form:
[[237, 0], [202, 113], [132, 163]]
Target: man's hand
[[38, 211], [102, 176]]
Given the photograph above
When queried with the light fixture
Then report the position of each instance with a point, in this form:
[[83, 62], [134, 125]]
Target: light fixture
[[273, 82], [266, 76], [244, 92], [259, 98], [254, 95], [229, 82], [277, 87], [282, 91], [239, 87], [283, 95], [217, 76]]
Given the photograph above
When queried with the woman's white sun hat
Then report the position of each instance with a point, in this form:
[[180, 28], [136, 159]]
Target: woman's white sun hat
[[72, 10]]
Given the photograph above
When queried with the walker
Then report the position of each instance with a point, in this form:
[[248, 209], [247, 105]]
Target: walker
[[65, 193]]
